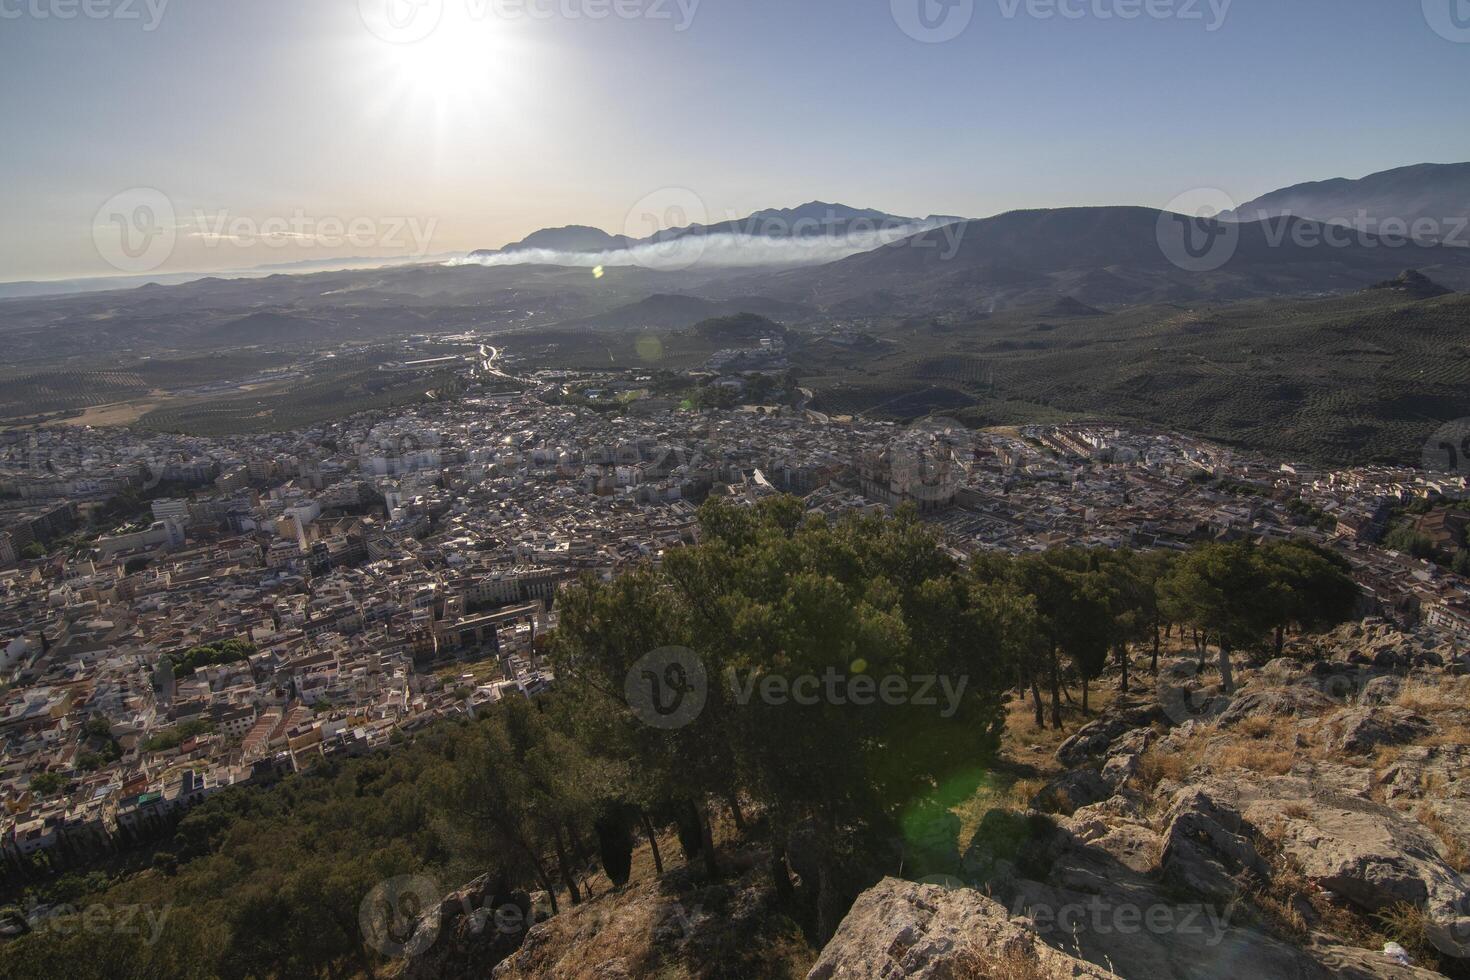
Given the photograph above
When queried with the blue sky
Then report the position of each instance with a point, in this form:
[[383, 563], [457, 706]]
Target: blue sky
[[497, 123]]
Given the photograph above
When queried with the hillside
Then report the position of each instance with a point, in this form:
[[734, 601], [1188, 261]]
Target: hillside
[[1102, 257], [1434, 196], [1358, 378]]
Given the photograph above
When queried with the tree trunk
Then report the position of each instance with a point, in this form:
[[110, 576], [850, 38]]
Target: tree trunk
[[780, 873], [658, 861], [567, 877], [1056, 694], [1280, 638], [707, 841], [1156, 650], [735, 813], [1036, 703], [1123, 662], [1227, 680], [545, 879], [1085, 685]]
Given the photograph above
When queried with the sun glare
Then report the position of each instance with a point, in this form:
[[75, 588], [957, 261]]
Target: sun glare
[[451, 77]]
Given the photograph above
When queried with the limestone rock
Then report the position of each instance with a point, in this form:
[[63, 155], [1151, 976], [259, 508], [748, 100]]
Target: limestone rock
[[1366, 728], [932, 932]]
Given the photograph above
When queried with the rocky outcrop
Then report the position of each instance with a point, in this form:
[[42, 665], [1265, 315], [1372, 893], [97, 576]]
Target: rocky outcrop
[[1208, 848], [933, 932], [1285, 702], [1373, 857], [1365, 728], [1096, 739], [1071, 791], [470, 931]]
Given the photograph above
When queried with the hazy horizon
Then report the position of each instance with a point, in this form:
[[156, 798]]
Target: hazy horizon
[[277, 133]]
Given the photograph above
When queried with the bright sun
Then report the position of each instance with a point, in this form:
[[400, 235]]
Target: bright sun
[[451, 76]]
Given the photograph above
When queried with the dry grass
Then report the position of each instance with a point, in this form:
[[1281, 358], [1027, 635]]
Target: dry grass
[[1448, 736], [1456, 854], [1408, 925], [1014, 961], [1258, 727], [1294, 908], [1432, 697], [1254, 758]]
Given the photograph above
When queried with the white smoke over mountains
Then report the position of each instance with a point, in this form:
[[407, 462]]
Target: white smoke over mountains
[[787, 239]]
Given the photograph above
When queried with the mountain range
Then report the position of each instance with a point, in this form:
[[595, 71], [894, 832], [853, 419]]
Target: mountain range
[[1429, 201]]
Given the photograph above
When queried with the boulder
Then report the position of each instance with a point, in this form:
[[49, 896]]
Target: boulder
[[1208, 846], [1373, 857], [1070, 791], [1381, 690], [1365, 728], [933, 932], [1295, 701], [478, 926], [1091, 740]]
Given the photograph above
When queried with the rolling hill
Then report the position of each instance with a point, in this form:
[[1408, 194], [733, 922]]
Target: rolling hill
[[1433, 196], [1108, 258]]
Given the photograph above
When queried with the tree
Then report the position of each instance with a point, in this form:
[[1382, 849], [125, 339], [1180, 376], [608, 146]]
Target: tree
[[1307, 586], [770, 597], [1223, 590], [33, 551]]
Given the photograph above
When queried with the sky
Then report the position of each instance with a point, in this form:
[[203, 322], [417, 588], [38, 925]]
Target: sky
[[255, 132]]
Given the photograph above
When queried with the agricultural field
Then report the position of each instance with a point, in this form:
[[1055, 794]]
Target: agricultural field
[[1366, 377]]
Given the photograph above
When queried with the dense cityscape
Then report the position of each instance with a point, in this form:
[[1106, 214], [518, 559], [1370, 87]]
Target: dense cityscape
[[183, 614]]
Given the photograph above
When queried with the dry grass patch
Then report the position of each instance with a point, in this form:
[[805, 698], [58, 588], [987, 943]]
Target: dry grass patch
[[1456, 854], [1254, 758], [1014, 961], [1427, 697], [1448, 736]]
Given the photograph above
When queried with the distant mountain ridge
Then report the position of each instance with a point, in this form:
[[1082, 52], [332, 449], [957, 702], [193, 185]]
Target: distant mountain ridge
[[1428, 201], [810, 220], [1107, 258]]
